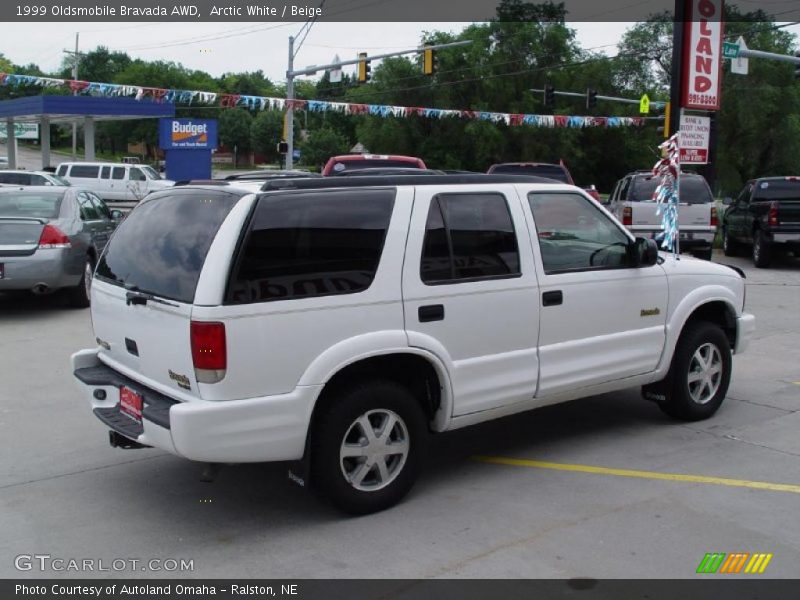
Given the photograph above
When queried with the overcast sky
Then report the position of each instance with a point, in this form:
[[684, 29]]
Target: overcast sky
[[233, 47]]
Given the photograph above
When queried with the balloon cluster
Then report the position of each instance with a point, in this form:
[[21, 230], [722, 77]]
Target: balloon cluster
[[667, 192]]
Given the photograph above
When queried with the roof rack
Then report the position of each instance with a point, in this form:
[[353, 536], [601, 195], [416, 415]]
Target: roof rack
[[391, 180]]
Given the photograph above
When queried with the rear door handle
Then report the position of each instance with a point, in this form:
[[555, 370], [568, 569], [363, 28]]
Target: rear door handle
[[432, 312], [553, 298]]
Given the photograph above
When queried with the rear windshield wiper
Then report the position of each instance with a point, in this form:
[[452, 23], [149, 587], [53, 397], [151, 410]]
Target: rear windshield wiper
[[135, 297]]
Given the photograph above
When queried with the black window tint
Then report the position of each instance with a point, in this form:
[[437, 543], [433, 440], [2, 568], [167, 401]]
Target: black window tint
[[88, 210], [85, 171], [100, 206], [118, 173], [474, 233], [315, 244], [62, 170], [161, 246], [105, 172]]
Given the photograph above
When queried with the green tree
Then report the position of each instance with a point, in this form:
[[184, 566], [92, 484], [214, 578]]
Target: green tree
[[266, 131], [321, 145], [234, 131]]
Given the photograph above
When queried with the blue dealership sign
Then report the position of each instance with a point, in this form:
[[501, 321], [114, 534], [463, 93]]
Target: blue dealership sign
[[187, 134]]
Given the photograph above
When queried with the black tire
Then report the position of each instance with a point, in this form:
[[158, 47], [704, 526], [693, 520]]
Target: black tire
[[341, 422], [730, 246], [762, 250], [698, 400], [704, 254], [79, 296]]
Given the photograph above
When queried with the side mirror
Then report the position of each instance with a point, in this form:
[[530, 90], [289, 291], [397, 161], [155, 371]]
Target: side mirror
[[727, 201], [645, 252], [117, 215]]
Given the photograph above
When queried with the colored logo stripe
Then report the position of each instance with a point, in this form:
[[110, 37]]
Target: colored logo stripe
[[722, 563], [735, 562], [758, 564], [711, 562]]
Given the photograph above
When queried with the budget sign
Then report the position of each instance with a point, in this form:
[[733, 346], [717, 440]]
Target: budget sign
[[188, 134], [702, 55]]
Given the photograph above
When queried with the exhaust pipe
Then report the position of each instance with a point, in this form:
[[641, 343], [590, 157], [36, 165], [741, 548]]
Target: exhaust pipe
[[118, 440], [40, 289]]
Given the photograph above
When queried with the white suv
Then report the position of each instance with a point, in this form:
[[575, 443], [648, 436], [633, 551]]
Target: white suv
[[337, 323]]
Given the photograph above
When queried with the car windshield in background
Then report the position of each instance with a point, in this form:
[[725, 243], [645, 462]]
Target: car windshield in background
[[58, 179], [693, 190], [161, 246], [778, 190], [548, 171], [37, 206], [150, 172], [351, 165]]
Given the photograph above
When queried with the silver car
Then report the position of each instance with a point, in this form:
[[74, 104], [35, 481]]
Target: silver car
[[51, 238], [21, 177]]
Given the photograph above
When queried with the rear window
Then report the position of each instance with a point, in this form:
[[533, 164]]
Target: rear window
[[549, 171], [377, 163], [777, 190], [161, 246], [41, 206], [693, 190], [85, 171], [315, 244]]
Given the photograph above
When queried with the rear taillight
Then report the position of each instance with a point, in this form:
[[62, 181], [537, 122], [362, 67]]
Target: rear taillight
[[772, 218], [53, 237], [209, 351], [714, 221], [627, 215]]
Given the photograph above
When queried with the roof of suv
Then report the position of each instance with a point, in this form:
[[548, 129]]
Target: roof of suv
[[391, 180]]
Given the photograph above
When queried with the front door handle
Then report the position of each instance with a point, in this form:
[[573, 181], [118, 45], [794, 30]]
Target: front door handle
[[433, 312], [553, 298]]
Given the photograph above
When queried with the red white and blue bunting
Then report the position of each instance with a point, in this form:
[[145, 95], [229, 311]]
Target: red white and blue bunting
[[260, 103]]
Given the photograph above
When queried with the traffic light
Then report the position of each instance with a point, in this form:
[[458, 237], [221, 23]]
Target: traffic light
[[591, 98], [363, 68], [429, 61], [549, 95]]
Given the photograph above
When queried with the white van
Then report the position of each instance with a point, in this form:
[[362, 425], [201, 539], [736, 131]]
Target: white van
[[114, 182]]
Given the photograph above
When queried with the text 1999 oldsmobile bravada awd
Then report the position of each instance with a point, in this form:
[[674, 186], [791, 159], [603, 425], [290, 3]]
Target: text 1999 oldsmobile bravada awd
[[339, 323]]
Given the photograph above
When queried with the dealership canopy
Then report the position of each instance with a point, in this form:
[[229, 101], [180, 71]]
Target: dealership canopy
[[46, 110]]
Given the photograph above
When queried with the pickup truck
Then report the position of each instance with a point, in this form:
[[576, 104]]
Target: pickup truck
[[765, 216], [337, 322], [632, 203]]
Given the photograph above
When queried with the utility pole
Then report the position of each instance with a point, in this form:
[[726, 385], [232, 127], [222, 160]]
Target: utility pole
[[677, 62], [291, 74], [76, 57]]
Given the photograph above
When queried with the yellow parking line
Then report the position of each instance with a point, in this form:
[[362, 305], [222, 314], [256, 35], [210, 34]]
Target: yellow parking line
[[540, 464]]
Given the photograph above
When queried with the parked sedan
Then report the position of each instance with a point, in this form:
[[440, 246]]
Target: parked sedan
[[20, 177], [50, 239]]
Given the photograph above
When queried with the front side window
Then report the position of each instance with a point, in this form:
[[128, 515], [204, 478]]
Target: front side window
[[88, 210], [574, 235], [136, 175], [314, 244], [469, 237]]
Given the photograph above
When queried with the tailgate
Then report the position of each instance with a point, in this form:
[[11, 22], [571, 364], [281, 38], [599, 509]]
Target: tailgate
[[150, 341], [20, 236]]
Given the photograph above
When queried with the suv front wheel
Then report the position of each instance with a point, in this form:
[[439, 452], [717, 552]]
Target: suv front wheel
[[367, 446]]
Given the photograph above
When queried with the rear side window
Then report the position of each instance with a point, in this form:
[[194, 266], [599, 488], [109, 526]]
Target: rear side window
[[161, 246], [85, 171], [693, 189], [468, 237], [118, 173], [15, 178], [315, 244], [105, 173]]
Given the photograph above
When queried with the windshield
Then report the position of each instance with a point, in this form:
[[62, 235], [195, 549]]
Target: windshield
[[367, 163], [549, 171], [150, 172], [39, 206], [778, 190], [693, 190], [58, 180], [162, 245]]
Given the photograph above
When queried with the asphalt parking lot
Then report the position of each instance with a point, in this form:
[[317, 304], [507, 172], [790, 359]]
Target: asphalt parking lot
[[583, 489]]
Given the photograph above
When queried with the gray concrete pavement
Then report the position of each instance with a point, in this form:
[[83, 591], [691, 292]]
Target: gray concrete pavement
[[65, 492]]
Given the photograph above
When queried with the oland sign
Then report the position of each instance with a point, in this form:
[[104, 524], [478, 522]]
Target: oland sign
[[702, 55], [188, 134]]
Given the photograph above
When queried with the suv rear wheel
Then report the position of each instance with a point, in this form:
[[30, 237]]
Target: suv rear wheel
[[700, 373], [729, 246], [368, 446], [762, 252]]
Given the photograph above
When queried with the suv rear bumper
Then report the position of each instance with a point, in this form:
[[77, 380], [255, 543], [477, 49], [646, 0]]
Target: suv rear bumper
[[270, 428]]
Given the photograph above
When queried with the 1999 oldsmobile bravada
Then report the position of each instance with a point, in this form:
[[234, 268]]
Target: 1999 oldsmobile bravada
[[339, 322]]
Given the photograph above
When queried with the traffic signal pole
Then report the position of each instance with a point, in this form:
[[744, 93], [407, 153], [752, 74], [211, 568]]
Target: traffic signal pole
[[291, 73]]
